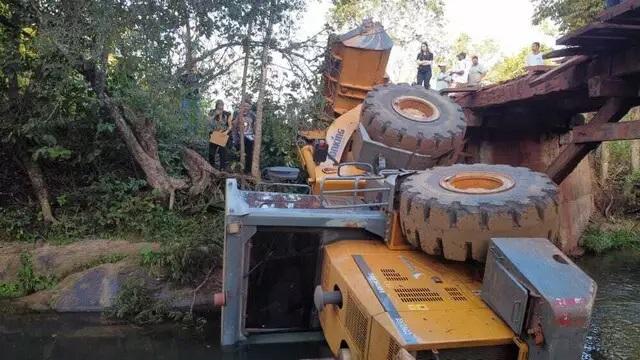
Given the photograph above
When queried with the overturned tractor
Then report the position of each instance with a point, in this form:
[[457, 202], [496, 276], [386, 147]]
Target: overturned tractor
[[399, 252]]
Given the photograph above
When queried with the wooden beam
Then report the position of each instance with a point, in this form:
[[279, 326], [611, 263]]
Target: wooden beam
[[628, 130], [612, 111], [571, 51], [600, 86], [556, 71], [613, 12]]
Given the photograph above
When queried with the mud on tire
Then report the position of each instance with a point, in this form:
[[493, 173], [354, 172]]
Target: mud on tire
[[453, 211], [414, 119]]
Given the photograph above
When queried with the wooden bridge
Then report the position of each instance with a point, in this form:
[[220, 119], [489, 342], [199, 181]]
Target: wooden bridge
[[536, 120]]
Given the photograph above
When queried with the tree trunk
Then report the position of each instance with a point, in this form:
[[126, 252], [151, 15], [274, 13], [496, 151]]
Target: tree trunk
[[604, 163], [39, 186], [188, 45], [257, 128], [243, 92], [141, 142], [634, 115], [635, 155]]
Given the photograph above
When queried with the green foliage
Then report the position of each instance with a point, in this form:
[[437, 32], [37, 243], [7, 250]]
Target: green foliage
[[28, 281], [568, 14], [511, 67], [189, 255], [135, 303], [352, 12], [631, 190], [618, 235]]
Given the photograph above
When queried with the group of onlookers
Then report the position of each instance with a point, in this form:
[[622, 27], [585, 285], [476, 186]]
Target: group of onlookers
[[465, 72], [236, 126]]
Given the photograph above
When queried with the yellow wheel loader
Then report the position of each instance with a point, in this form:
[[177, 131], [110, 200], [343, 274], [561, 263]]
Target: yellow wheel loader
[[397, 252]]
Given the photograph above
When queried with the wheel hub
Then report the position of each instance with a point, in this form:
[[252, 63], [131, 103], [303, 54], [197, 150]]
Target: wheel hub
[[415, 108], [477, 183]]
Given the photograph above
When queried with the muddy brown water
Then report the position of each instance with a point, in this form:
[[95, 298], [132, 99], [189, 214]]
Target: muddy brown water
[[614, 333]]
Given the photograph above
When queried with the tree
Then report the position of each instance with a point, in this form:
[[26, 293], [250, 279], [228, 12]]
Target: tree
[[142, 36], [568, 14], [37, 102]]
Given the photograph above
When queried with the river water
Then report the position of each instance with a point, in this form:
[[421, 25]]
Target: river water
[[614, 334]]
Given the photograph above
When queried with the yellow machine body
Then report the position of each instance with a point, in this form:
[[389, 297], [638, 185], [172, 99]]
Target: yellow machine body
[[322, 176], [437, 302]]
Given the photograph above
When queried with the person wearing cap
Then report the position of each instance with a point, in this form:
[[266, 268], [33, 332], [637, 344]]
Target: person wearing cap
[[444, 80], [460, 74], [424, 61]]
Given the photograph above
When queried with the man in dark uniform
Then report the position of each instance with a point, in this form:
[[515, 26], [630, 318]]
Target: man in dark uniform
[[424, 60]]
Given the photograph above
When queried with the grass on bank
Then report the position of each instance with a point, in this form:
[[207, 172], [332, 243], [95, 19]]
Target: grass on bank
[[190, 235], [28, 280], [600, 238]]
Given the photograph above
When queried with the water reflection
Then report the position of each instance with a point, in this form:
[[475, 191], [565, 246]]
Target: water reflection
[[614, 334]]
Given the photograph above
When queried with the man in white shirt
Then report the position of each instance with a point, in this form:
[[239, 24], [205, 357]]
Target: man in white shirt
[[535, 58], [477, 72], [444, 80], [460, 74]]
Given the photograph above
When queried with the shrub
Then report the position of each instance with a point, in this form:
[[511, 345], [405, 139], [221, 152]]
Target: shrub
[[135, 303], [28, 281], [620, 235]]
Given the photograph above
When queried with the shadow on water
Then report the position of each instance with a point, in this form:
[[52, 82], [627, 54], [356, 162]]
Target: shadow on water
[[614, 334]]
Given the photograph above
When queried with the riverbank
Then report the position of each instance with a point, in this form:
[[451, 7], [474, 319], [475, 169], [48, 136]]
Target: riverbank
[[88, 276]]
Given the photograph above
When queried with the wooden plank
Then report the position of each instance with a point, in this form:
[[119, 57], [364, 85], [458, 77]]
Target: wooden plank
[[626, 7], [628, 130], [612, 111], [600, 31], [550, 74], [570, 51]]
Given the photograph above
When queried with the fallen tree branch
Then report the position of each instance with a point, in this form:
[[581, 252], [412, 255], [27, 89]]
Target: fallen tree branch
[[195, 291]]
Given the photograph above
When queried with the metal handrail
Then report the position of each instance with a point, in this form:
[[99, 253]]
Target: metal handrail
[[354, 191], [263, 186]]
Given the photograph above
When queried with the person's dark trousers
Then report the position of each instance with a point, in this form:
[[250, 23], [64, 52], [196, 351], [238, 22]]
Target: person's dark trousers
[[424, 77], [248, 148], [222, 154]]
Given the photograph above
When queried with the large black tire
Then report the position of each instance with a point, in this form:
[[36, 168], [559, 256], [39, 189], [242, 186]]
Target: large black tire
[[453, 211], [433, 126]]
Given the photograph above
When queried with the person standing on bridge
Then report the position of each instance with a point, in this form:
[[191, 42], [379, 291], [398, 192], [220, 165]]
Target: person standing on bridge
[[460, 74], [424, 61], [477, 72], [535, 58], [444, 79]]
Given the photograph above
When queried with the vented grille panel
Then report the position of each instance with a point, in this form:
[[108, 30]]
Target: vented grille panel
[[455, 294], [410, 295], [393, 275], [357, 324], [393, 349]]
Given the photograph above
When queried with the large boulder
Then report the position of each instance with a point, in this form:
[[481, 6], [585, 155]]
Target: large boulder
[[62, 260], [95, 290]]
